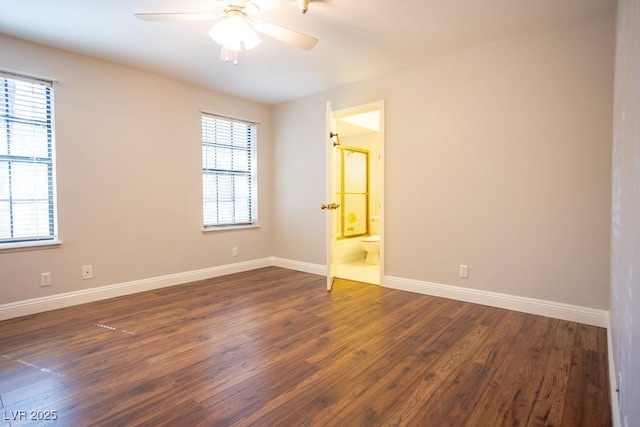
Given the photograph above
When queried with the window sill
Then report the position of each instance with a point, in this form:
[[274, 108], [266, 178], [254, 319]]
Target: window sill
[[29, 246], [229, 228]]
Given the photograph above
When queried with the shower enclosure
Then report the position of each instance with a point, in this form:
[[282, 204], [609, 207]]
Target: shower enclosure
[[353, 192]]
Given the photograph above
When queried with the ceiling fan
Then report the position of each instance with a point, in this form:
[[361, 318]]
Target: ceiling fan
[[235, 30]]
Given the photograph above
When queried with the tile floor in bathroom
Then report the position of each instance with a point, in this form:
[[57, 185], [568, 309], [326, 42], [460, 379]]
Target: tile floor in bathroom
[[359, 271]]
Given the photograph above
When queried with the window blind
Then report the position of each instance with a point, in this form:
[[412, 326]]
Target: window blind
[[27, 195], [229, 187]]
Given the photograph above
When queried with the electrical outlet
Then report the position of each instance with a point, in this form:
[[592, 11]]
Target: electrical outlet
[[45, 279], [234, 251], [464, 271], [87, 272]]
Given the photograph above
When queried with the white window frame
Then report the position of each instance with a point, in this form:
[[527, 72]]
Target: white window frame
[[229, 172], [21, 196]]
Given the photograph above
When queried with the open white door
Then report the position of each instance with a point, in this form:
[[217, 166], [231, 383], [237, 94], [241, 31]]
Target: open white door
[[331, 204], [365, 123]]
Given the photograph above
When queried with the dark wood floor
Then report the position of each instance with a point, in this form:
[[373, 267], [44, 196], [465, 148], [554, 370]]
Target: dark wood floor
[[271, 347]]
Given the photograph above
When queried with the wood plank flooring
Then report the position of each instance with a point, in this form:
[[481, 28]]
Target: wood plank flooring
[[271, 347]]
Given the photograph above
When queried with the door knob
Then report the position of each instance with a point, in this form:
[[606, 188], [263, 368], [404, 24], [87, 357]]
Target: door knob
[[330, 206]]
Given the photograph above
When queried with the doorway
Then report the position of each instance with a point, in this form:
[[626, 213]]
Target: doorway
[[355, 168]]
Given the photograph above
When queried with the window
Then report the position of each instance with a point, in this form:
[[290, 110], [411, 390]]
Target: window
[[27, 178], [229, 190]]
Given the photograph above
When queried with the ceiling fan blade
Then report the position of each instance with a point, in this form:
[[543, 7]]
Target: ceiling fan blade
[[155, 17], [294, 38]]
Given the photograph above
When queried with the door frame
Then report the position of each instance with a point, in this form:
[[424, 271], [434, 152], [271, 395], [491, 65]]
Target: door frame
[[330, 233]]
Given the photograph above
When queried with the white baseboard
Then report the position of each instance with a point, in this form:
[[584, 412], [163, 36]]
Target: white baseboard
[[528, 305], [573, 313], [52, 302], [307, 267]]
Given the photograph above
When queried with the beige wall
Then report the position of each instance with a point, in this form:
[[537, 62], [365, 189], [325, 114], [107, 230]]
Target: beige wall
[[498, 157], [625, 242], [129, 183]]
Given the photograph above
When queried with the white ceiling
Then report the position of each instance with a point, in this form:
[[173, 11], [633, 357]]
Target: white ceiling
[[359, 39]]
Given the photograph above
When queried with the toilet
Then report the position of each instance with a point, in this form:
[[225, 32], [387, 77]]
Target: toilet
[[371, 245]]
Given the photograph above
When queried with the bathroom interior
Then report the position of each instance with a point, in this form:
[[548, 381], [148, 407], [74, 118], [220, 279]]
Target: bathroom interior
[[357, 157]]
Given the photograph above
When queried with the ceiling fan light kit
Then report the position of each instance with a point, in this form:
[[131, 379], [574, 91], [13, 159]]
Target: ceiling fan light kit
[[235, 31]]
